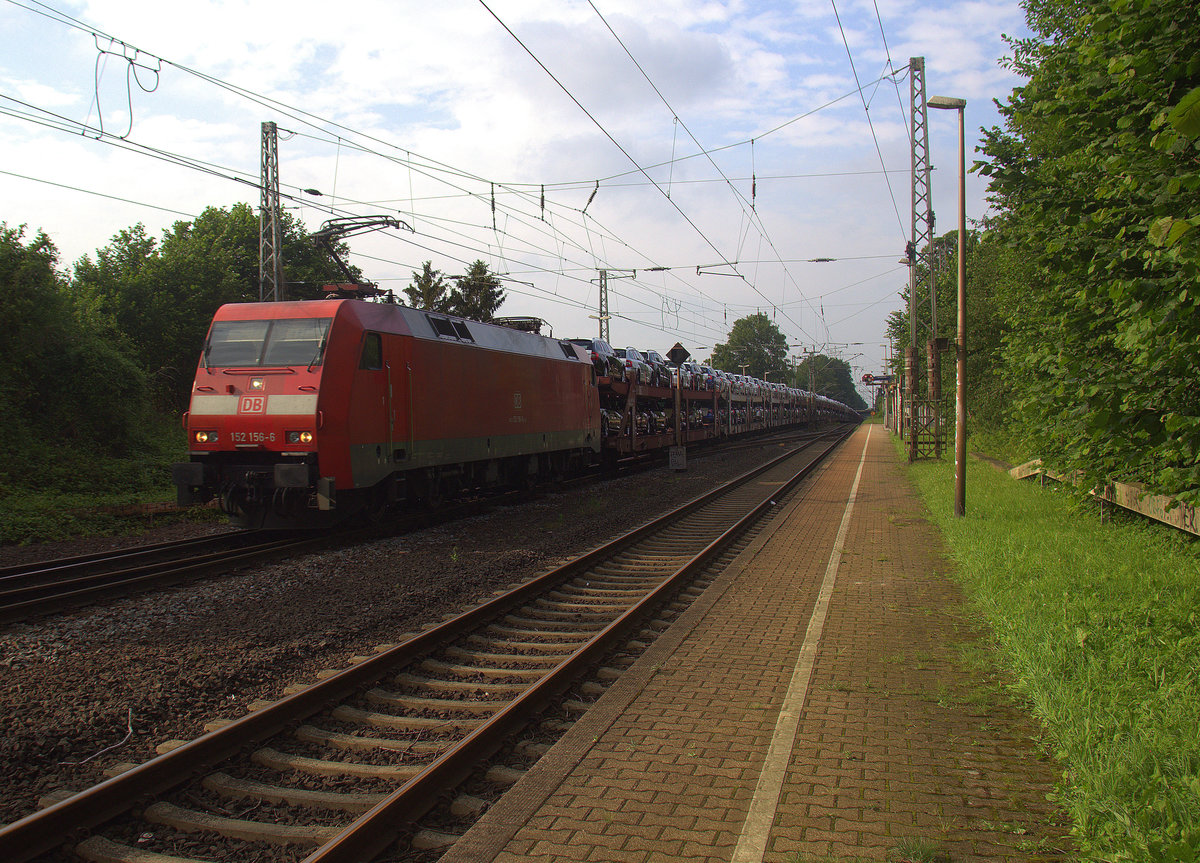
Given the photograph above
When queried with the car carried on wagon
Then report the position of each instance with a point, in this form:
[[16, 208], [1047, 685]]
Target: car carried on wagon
[[658, 365], [604, 358], [636, 367]]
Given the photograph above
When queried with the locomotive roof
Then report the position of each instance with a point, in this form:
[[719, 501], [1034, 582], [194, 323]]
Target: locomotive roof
[[403, 320]]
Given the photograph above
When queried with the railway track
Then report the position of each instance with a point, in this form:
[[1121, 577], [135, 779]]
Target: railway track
[[51, 586], [338, 770], [57, 585]]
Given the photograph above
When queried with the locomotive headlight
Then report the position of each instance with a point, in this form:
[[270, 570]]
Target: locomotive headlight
[[256, 384], [206, 437], [300, 437]]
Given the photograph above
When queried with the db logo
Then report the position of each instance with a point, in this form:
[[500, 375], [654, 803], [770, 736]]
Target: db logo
[[252, 405]]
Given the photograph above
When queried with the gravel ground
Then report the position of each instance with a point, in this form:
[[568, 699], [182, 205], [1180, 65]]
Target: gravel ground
[[84, 691]]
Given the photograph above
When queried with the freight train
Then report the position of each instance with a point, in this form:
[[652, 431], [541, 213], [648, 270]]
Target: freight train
[[304, 414]]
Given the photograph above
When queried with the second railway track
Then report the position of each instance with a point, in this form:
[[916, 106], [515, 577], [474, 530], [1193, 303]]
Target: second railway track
[[55, 585], [337, 771], [51, 586]]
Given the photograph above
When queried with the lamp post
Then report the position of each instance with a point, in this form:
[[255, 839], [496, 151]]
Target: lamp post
[[960, 406], [603, 319]]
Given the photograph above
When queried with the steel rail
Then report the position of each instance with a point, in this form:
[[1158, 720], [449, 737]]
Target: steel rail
[[49, 828], [99, 558], [34, 589], [373, 831], [20, 601]]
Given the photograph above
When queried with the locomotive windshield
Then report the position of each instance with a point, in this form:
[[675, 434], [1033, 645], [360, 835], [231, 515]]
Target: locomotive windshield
[[283, 342]]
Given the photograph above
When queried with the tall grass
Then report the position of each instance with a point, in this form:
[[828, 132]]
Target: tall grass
[[1097, 623], [75, 491]]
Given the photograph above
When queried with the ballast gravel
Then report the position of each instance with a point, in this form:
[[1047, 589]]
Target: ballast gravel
[[85, 691]]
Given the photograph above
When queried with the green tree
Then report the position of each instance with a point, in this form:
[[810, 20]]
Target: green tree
[[33, 317], [1095, 165], [756, 345], [157, 299], [828, 376], [429, 290], [997, 281], [478, 295], [110, 294], [66, 391]]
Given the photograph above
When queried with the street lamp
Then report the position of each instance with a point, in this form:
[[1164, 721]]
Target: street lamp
[[603, 319], [960, 407]]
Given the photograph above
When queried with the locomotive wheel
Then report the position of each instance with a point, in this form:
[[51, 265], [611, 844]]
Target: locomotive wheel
[[378, 508], [435, 498], [435, 494]]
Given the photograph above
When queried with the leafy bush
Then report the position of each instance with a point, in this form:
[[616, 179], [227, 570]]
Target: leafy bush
[[1096, 181]]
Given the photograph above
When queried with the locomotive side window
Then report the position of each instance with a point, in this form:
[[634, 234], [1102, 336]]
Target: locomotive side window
[[285, 342], [372, 352]]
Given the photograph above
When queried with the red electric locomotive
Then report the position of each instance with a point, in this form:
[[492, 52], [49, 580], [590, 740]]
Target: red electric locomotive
[[307, 413]]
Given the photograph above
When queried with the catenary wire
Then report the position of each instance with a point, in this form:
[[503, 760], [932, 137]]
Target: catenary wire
[[199, 165], [867, 111]]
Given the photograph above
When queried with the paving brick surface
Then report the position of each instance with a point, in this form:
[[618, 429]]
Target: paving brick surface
[[903, 735]]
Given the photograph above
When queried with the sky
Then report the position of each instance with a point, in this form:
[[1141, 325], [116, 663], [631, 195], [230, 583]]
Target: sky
[[702, 152]]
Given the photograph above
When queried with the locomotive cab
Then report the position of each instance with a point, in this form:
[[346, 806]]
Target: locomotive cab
[[253, 422]]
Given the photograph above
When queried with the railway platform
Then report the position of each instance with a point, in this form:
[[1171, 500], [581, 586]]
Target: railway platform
[[827, 698]]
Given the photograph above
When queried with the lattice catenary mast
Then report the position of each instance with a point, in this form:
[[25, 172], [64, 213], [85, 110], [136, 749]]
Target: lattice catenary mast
[[271, 286]]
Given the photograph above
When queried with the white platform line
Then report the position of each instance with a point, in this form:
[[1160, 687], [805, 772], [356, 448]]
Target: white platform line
[[756, 830]]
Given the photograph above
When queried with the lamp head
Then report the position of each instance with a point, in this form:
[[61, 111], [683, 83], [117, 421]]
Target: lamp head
[[946, 102]]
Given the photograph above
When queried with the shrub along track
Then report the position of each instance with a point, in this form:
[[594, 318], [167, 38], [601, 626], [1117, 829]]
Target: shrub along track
[[465, 686]]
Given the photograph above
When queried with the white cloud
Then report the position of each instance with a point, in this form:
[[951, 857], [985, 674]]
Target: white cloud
[[444, 80]]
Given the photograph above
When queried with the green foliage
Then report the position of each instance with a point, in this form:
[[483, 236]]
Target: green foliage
[[1097, 182], [917, 850], [828, 376], [31, 319], [88, 491], [157, 299], [429, 290], [1098, 624], [997, 279], [478, 295], [65, 390], [756, 347]]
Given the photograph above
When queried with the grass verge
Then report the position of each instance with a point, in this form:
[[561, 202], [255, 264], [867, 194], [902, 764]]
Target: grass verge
[[1098, 626], [74, 492]]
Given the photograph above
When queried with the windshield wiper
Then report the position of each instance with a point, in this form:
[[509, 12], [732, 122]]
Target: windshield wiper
[[317, 356]]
